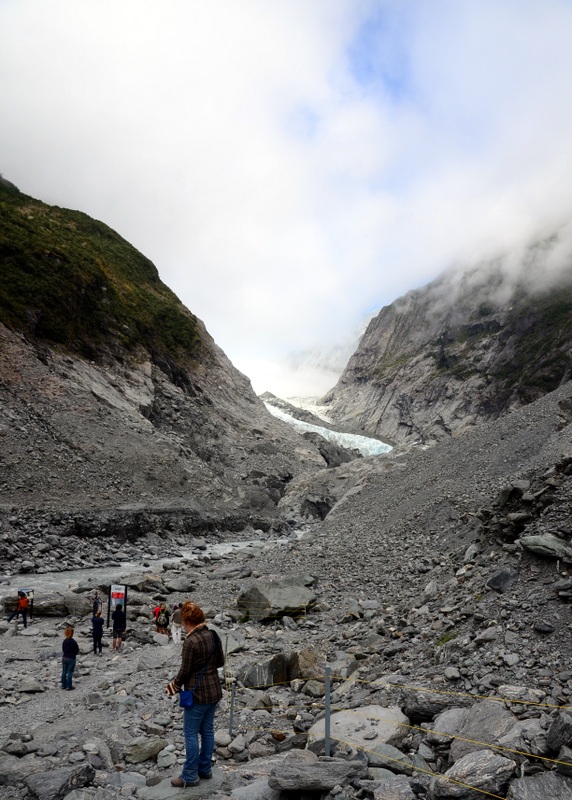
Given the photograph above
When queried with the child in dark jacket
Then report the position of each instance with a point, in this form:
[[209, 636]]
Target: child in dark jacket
[[70, 650]]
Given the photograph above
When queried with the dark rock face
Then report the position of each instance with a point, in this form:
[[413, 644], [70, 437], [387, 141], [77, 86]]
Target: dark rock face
[[452, 354]]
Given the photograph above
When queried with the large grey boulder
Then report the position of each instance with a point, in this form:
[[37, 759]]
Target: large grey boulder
[[57, 783], [474, 775], [276, 669], [14, 768], [564, 765], [143, 582], [302, 770], [49, 604], [527, 736], [547, 545], [421, 705], [560, 731], [547, 786], [380, 754], [77, 604], [361, 726], [143, 748], [394, 788], [267, 600], [486, 723], [180, 583], [502, 580]]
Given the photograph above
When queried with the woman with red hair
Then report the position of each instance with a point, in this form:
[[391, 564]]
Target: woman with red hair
[[202, 655]]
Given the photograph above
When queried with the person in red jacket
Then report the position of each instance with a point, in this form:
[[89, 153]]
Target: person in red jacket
[[21, 608]]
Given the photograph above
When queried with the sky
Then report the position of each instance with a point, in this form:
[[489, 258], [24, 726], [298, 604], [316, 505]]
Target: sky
[[291, 166]]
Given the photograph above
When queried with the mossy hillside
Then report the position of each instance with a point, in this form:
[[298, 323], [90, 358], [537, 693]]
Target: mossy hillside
[[73, 281]]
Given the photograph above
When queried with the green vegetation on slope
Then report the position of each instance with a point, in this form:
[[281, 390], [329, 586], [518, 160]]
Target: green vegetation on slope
[[73, 281]]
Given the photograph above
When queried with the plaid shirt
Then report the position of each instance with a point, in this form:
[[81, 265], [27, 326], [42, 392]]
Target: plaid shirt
[[196, 653]]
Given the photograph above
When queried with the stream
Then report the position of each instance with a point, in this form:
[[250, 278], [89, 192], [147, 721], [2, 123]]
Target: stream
[[69, 579]]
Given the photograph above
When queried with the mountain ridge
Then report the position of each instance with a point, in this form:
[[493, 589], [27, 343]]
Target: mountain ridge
[[454, 353]]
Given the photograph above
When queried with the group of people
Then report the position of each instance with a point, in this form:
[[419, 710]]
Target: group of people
[[202, 655], [70, 648], [165, 620]]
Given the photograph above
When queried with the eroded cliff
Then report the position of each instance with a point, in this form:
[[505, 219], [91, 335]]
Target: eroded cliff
[[463, 349]]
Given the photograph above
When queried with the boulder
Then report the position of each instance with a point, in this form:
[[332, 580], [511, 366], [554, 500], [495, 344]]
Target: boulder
[[547, 545], [396, 787], [301, 770], [142, 748], [77, 605], [358, 727], [421, 705], [445, 726], [274, 670], [49, 604], [485, 723], [560, 731], [564, 765], [266, 600], [57, 783], [546, 786], [385, 755], [473, 776], [502, 580], [143, 582]]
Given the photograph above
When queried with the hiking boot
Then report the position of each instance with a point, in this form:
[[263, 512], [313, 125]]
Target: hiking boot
[[205, 776], [181, 783]]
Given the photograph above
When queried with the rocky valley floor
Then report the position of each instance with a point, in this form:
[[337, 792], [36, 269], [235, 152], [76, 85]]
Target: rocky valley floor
[[437, 590]]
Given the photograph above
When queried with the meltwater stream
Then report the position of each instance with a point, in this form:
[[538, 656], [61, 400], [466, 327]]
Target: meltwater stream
[[91, 577], [365, 445]]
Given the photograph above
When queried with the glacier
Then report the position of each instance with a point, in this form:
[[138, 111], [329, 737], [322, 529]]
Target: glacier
[[353, 441]]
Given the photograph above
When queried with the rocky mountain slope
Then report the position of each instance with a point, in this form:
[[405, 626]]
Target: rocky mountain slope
[[465, 348], [114, 397]]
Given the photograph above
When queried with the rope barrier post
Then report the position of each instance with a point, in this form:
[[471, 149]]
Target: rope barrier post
[[327, 717], [231, 714]]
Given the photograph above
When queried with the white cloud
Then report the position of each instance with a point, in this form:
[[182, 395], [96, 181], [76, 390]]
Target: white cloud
[[289, 166]]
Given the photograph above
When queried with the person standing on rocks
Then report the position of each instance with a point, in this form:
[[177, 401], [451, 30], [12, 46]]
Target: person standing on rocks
[[21, 608], [97, 604], [119, 624], [176, 624], [162, 620], [97, 632], [70, 650], [202, 655]]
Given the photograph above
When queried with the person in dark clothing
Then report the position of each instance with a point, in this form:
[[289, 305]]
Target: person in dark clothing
[[202, 654], [97, 604], [97, 630], [70, 650], [119, 624], [21, 608]]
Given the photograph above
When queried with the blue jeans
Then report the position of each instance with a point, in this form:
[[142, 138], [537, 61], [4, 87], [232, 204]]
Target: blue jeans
[[68, 666], [199, 719]]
